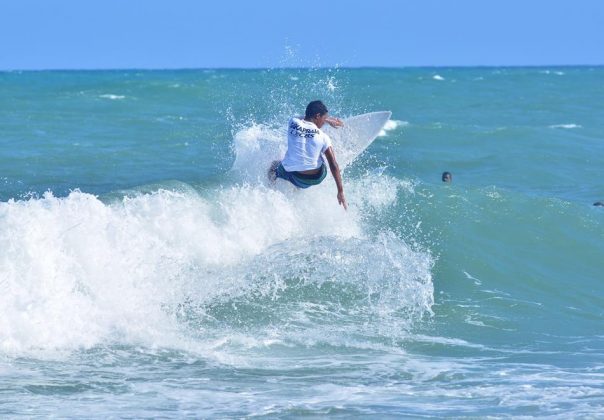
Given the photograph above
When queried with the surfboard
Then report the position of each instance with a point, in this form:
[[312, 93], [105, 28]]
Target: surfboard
[[357, 134]]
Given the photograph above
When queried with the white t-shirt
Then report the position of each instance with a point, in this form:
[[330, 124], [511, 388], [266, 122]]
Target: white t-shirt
[[305, 145]]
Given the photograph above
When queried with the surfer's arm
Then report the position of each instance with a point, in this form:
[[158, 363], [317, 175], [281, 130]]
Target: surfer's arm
[[334, 122], [335, 172]]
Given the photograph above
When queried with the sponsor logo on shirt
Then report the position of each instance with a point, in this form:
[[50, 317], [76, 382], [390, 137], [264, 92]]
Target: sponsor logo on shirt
[[297, 130]]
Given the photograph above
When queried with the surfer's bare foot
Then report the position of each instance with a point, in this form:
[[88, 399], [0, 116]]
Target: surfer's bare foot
[[272, 171]]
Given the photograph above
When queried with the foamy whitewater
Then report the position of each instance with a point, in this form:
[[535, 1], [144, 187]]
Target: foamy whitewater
[[148, 269]]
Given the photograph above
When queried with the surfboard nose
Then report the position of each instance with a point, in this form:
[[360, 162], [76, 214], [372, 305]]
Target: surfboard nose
[[357, 134]]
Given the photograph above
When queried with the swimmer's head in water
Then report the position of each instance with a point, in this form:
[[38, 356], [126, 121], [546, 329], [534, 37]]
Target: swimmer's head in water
[[447, 177]]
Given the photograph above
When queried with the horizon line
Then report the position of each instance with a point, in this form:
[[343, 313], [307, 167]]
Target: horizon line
[[337, 67]]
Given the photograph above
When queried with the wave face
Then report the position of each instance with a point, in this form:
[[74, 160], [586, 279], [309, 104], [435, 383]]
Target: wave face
[[148, 268]]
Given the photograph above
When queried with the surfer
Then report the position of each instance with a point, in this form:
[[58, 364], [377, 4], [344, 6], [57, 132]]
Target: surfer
[[304, 164]]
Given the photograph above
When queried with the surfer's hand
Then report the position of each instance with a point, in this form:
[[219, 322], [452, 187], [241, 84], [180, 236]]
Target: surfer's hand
[[342, 200], [334, 122]]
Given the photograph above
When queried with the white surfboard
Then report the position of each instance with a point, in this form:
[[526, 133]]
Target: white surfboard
[[356, 135]]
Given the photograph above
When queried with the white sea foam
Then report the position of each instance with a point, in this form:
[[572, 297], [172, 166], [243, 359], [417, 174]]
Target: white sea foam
[[392, 125], [477, 282], [112, 96], [438, 77], [557, 73], [566, 126], [78, 271]]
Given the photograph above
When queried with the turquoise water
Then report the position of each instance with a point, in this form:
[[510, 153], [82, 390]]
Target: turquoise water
[[141, 277]]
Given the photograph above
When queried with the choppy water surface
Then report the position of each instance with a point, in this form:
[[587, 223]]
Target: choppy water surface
[[140, 276]]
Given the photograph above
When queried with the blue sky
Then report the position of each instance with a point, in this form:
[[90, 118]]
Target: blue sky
[[101, 34]]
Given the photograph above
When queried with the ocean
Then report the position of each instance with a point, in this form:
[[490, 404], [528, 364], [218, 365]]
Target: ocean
[[142, 276]]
